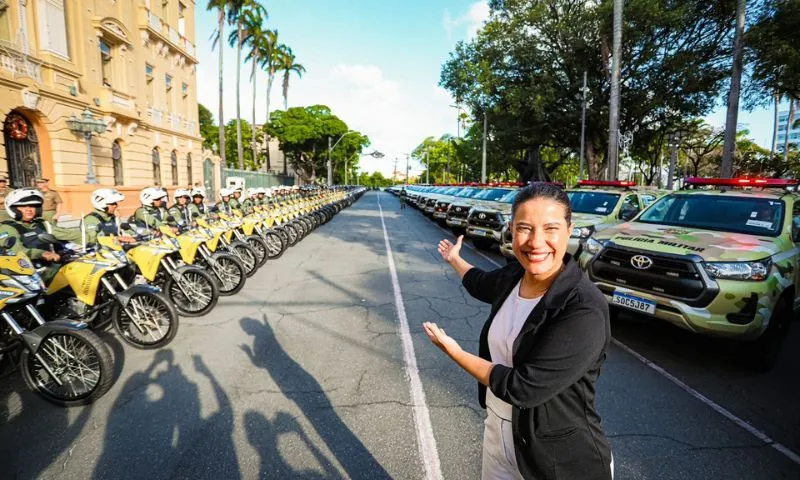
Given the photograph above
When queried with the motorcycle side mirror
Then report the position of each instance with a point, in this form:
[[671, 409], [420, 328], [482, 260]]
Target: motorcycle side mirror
[[8, 243], [195, 215], [125, 226], [48, 238], [170, 218]]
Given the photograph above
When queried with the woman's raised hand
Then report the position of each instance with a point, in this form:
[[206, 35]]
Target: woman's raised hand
[[449, 251]]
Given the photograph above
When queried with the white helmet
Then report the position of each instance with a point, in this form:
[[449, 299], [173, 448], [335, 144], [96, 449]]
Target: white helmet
[[198, 191], [21, 197], [102, 197], [182, 192], [268, 192], [225, 192], [150, 194], [252, 192]]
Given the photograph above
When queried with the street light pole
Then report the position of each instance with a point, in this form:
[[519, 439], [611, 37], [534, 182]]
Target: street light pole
[[583, 127], [427, 169], [330, 169], [87, 125], [613, 111], [483, 154], [674, 140]]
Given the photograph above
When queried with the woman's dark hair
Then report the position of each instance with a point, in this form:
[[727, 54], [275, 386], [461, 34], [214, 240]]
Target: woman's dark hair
[[543, 190]]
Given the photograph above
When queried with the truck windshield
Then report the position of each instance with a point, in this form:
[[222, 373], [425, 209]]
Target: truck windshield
[[509, 197], [754, 216], [598, 203], [491, 194]]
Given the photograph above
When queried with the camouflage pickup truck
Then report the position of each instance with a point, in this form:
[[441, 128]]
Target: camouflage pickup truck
[[719, 261]]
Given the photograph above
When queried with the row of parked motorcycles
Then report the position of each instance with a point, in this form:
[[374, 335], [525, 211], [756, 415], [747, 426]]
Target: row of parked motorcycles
[[139, 289]]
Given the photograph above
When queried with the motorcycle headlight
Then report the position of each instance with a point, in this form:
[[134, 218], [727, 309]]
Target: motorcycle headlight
[[582, 232], [33, 282], [593, 246], [507, 218], [753, 271], [175, 242]]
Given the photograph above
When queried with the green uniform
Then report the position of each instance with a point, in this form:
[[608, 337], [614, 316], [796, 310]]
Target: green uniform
[[180, 215], [27, 233], [150, 217], [197, 209], [234, 204], [99, 224], [247, 205]]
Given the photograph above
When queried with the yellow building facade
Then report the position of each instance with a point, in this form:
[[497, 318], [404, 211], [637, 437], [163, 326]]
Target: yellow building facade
[[131, 63]]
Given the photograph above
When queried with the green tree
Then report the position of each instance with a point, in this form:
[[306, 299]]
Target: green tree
[[289, 65], [208, 129], [232, 131], [303, 133], [220, 6], [270, 55], [254, 38], [525, 70], [238, 12]]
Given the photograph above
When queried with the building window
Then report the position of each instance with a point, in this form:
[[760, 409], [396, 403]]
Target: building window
[[105, 63], [182, 19], [168, 81], [189, 169], [156, 167], [173, 161], [116, 157], [148, 72], [185, 89], [168, 94], [53, 27]]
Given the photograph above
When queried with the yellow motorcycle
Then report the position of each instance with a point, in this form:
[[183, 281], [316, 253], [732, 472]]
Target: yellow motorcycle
[[192, 290], [96, 285], [223, 228], [200, 247], [62, 360]]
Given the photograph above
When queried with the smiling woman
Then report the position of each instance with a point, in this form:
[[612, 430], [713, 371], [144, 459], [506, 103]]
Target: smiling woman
[[540, 350]]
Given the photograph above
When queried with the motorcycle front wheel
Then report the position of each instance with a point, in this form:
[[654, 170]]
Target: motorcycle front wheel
[[201, 288], [260, 248], [246, 255], [148, 321], [291, 232], [230, 273], [275, 245], [80, 360]]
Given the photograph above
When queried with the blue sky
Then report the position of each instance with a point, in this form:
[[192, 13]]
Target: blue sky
[[376, 63]]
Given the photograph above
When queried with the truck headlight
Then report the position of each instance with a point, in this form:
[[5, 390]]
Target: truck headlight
[[507, 218], [593, 246], [754, 271], [582, 232]]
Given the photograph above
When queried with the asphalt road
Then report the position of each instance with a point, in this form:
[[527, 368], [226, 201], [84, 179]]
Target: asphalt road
[[302, 375]]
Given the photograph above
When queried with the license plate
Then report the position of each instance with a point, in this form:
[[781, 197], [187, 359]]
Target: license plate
[[480, 233], [633, 302]]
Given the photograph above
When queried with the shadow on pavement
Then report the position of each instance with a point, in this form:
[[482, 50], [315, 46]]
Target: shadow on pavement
[[303, 389], [163, 434]]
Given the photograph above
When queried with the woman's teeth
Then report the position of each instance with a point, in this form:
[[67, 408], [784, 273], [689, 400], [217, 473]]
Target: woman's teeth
[[536, 257]]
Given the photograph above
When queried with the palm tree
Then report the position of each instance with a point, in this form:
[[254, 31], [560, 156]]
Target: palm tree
[[270, 56], [288, 66], [237, 12], [220, 6], [254, 37]]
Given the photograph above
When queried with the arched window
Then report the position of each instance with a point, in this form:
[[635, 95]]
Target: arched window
[[189, 169], [156, 167], [116, 157], [173, 163]]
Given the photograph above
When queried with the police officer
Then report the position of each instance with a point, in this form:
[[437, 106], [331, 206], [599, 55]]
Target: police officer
[[249, 203], [51, 208], [152, 213], [4, 191], [234, 203], [180, 209], [197, 206], [24, 207], [225, 198], [103, 220]]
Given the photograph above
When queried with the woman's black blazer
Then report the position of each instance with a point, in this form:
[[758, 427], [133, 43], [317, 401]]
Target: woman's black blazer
[[557, 359]]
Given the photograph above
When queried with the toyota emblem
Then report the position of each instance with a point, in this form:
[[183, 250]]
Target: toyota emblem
[[482, 216], [458, 209], [640, 262]]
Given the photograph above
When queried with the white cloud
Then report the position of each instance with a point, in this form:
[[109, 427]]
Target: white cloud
[[473, 18]]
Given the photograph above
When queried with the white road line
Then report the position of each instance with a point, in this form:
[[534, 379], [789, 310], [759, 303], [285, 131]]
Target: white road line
[[716, 407], [691, 391], [422, 418]]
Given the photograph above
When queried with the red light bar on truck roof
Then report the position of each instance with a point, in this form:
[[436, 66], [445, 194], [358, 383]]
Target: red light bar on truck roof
[[603, 183], [741, 182]]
